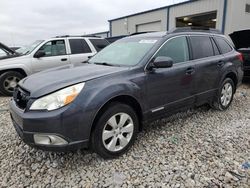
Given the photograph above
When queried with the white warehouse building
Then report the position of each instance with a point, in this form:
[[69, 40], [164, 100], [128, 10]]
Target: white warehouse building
[[225, 15]]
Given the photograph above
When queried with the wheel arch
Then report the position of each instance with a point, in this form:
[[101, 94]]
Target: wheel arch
[[232, 76], [19, 70], [124, 99]]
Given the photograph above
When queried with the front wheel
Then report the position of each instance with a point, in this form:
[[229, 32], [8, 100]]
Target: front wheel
[[225, 97], [8, 82], [115, 131]]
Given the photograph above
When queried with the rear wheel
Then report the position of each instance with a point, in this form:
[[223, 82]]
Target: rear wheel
[[225, 97], [8, 82], [115, 131]]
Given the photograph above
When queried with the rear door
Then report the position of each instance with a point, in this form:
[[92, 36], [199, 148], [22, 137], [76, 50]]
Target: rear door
[[80, 51], [169, 89], [55, 55], [208, 62]]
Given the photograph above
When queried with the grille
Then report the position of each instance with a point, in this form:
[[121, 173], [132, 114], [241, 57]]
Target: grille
[[21, 97]]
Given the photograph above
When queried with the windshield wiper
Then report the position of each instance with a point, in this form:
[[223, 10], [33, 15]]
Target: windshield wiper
[[104, 63]]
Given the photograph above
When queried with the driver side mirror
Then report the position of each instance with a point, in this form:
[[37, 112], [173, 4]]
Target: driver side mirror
[[162, 62], [39, 54]]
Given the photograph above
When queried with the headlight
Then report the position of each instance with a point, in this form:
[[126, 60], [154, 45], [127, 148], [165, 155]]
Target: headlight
[[58, 99]]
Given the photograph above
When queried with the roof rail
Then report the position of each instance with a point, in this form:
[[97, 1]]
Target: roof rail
[[138, 33], [195, 29], [64, 36]]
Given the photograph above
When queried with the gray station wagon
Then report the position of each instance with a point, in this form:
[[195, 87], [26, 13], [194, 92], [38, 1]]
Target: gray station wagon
[[102, 105]]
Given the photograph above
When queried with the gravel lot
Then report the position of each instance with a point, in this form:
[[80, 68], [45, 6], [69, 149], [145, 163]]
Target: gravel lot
[[198, 148]]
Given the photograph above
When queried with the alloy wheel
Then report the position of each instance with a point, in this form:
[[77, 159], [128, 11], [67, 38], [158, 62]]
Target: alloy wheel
[[10, 83], [118, 132], [226, 94]]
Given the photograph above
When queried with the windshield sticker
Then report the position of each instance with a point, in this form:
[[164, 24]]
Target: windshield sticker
[[148, 41]]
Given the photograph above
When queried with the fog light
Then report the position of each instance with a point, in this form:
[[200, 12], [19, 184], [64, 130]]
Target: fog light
[[43, 139]]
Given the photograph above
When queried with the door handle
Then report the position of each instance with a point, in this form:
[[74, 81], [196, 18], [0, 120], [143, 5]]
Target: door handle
[[220, 63], [64, 59], [190, 71]]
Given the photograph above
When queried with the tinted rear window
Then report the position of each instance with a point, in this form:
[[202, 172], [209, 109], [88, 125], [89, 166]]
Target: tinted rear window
[[79, 46], [223, 45], [201, 47], [99, 44]]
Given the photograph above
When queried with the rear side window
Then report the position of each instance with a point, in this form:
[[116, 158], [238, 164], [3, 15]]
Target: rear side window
[[223, 45], [176, 48], [201, 47], [99, 44], [79, 46]]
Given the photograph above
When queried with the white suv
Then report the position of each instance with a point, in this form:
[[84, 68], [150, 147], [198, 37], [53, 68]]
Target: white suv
[[45, 54]]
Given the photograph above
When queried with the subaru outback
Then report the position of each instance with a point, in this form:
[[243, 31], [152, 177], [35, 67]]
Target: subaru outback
[[103, 104]]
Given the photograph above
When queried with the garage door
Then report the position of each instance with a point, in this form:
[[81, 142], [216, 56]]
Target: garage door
[[153, 26]]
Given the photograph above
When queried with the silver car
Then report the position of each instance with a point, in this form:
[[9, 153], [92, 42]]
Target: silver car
[[45, 54]]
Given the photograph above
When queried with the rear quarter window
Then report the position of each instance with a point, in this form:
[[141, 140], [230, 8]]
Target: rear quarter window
[[201, 47], [223, 45], [99, 44]]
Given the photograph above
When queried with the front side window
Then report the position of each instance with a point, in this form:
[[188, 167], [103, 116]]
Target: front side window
[[54, 48], [223, 45], [176, 48], [79, 46], [201, 47]]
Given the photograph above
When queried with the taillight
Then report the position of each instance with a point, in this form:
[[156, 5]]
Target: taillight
[[241, 58]]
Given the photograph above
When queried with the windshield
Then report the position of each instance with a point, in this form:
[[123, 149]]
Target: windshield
[[28, 49], [123, 53], [2, 53]]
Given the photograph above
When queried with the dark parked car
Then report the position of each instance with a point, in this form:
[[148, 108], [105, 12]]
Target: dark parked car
[[241, 41], [103, 104]]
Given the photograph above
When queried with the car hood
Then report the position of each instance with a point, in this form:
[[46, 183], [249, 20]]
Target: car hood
[[241, 39], [9, 56], [13, 59], [11, 53], [45, 82]]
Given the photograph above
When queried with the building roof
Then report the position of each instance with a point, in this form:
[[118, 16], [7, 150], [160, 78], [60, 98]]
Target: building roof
[[160, 8]]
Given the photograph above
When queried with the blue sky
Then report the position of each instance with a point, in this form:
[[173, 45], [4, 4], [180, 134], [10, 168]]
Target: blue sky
[[24, 21]]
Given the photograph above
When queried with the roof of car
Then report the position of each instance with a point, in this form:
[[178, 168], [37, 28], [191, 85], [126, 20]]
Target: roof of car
[[179, 31], [150, 35], [79, 36]]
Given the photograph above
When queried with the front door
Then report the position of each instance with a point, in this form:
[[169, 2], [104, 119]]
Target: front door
[[55, 55], [169, 89]]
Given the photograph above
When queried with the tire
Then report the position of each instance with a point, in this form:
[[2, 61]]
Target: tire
[[219, 103], [109, 142], [8, 82]]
